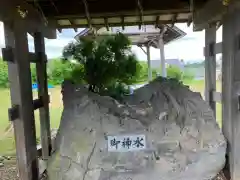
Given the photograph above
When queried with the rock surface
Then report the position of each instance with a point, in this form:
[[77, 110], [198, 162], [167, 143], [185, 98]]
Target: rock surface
[[183, 140]]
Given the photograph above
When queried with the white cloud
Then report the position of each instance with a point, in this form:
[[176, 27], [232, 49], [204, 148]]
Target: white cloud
[[189, 48], [53, 47]]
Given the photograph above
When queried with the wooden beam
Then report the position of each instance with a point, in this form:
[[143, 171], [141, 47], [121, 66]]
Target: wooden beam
[[33, 21], [162, 55], [149, 64], [41, 69], [212, 12], [210, 66], [21, 96], [231, 89]]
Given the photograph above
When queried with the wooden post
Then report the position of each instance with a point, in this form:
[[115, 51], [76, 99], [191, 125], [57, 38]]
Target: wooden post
[[21, 97], [43, 93], [162, 56], [231, 89], [210, 66], [149, 64]]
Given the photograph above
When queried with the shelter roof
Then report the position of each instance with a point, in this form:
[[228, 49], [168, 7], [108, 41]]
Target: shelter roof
[[87, 13], [147, 35]]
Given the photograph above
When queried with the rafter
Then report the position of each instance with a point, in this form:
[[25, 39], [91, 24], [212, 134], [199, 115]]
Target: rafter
[[174, 19], [106, 23], [140, 11], [59, 30], [157, 21], [87, 13], [190, 17], [73, 23], [189, 20], [218, 24], [55, 7], [145, 52], [122, 20]]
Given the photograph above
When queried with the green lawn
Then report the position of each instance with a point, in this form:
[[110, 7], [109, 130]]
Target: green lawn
[[7, 145], [198, 86]]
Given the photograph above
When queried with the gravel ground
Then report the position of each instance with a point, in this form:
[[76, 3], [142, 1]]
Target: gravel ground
[[9, 172]]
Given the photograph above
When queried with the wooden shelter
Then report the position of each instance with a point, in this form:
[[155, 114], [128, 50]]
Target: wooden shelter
[[147, 36], [41, 18]]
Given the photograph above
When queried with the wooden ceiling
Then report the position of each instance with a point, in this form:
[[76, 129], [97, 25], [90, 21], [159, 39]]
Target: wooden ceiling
[[99, 13]]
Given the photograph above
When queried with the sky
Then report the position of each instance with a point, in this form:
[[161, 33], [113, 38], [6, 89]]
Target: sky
[[189, 48]]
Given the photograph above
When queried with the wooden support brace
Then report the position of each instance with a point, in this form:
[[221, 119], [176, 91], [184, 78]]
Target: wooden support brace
[[21, 99], [38, 103], [145, 52], [217, 48], [210, 66], [8, 55], [217, 97], [13, 113], [43, 93], [34, 57]]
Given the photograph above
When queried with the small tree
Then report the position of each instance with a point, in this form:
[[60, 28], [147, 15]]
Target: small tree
[[174, 72], [105, 61]]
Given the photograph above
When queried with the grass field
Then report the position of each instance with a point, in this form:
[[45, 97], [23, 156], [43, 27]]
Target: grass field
[[7, 146], [198, 86]]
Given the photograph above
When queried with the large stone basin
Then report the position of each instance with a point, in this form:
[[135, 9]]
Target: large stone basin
[[163, 131]]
